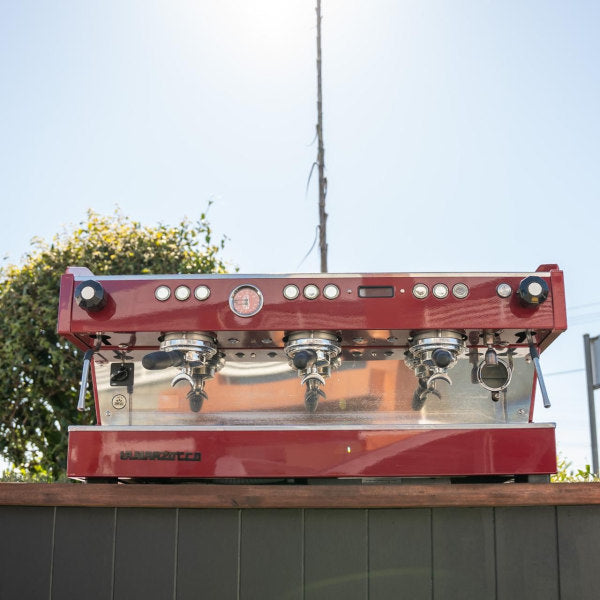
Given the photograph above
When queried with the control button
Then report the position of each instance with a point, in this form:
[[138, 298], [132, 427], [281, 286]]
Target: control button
[[420, 291], [202, 292], [182, 292], [291, 292], [533, 291], [504, 290], [460, 290], [311, 292], [440, 290], [90, 295], [331, 291], [162, 293]]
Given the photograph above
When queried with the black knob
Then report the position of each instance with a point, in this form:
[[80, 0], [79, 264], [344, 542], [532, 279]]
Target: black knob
[[533, 291], [90, 295], [442, 358]]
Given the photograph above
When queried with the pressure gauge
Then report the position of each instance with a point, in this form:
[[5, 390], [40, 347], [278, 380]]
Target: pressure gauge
[[246, 300]]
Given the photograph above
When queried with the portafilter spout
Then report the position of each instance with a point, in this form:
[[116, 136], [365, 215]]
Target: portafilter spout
[[313, 354]]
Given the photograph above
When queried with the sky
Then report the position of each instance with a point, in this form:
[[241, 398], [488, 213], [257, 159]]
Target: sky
[[460, 135]]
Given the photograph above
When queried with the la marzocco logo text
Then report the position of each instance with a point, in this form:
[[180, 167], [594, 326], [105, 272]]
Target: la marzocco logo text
[[148, 455]]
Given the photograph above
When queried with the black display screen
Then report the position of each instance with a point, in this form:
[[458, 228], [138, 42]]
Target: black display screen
[[376, 291]]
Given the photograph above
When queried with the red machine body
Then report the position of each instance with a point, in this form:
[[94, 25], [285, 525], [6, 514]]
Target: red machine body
[[313, 375]]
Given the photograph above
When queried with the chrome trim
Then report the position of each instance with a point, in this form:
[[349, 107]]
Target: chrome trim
[[202, 276], [413, 426]]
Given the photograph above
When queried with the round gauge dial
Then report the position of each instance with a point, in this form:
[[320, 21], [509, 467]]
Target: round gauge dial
[[246, 300]]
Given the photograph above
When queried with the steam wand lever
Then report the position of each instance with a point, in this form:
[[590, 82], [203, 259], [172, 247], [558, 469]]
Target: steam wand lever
[[535, 356]]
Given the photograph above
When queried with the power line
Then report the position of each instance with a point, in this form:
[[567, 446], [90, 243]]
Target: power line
[[563, 372]]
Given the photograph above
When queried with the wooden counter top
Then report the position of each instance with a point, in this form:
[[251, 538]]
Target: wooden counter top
[[298, 496]]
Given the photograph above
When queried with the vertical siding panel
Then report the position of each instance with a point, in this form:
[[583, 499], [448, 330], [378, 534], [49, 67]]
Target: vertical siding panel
[[463, 553], [335, 554], [25, 552], [579, 551], [207, 554], [144, 554], [83, 553], [400, 554], [526, 561], [271, 557]]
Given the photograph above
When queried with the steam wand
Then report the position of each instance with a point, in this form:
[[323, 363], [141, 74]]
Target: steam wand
[[535, 356], [87, 359]]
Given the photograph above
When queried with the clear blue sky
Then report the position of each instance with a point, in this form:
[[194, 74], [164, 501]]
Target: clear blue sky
[[460, 135]]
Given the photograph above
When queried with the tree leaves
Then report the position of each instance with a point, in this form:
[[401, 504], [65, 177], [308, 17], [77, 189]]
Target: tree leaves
[[40, 371]]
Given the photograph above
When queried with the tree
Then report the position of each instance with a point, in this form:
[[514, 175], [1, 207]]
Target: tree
[[39, 371]]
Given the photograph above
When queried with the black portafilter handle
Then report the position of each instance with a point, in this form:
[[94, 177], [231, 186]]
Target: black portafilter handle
[[304, 359], [162, 360], [442, 358]]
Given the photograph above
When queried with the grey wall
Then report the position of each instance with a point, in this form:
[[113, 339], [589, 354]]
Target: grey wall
[[251, 554]]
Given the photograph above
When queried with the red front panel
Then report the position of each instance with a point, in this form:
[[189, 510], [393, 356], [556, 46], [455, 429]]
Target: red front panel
[[205, 453], [132, 307]]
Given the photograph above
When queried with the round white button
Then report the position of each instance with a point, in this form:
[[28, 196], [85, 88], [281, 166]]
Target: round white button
[[182, 292], [440, 290], [202, 292], [291, 292], [460, 290], [311, 291], [331, 291], [420, 291], [162, 293], [504, 290]]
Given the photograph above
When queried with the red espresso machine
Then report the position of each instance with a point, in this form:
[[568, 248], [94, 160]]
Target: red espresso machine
[[314, 376]]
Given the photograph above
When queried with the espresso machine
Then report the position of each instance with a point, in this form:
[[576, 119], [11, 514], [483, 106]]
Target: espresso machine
[[312, 377]]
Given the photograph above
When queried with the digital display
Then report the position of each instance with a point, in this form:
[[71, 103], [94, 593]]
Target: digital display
[[379, 291]]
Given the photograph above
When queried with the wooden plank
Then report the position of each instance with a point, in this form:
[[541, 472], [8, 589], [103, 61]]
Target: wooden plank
[[335, 555], [526, 553], [26, 552], [207, 554], [400, 554], [299, 496], [579, 551], [83, 553], [463, 553], [271, 554], [145, 554]]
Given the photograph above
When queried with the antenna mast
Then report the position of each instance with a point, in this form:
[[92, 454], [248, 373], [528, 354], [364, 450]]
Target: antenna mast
[[321, 152]]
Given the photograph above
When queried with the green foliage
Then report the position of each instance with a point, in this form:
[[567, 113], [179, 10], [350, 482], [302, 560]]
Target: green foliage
[[566, 473], [40, 371]]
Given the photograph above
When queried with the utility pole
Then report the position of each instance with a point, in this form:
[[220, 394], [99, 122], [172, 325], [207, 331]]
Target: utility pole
[[321, 152]]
